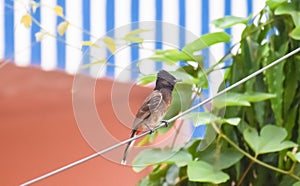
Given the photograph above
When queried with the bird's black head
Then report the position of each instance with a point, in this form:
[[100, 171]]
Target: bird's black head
[[165, 80]]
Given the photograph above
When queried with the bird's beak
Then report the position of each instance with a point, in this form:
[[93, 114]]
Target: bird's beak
[[178, 80]]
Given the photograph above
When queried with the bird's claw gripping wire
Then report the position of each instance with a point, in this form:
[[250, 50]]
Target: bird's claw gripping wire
[[151, 130], [165, 122]]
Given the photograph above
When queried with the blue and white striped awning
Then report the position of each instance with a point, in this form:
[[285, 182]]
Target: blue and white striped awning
[[92, 19]]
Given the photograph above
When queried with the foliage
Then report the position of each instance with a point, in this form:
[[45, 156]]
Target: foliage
[[257, 124]]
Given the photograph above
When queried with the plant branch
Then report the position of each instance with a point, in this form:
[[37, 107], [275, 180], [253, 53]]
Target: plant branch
[[246, 171], [181, 180]]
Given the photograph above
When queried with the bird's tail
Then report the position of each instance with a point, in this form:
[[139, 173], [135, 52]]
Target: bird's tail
[[128, 147]]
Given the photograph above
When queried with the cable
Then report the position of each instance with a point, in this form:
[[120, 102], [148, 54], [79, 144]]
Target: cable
[[89, 157], [163, 123]]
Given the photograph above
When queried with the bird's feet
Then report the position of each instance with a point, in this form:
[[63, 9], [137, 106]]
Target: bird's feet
[[165, 122], [151, 130]]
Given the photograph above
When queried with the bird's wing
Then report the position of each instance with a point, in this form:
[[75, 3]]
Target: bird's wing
[[151, 103]]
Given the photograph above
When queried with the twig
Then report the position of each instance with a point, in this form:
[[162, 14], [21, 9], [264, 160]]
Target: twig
[[246, 171]]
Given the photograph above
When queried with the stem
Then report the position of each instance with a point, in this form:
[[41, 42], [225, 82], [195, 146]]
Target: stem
[[181, 180], [292, 168], [246, 171]]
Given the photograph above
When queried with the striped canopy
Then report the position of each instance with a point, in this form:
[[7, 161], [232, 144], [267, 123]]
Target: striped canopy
[[92, 19]]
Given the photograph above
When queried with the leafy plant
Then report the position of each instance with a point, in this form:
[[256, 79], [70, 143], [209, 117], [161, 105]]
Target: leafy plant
[[257, 125]]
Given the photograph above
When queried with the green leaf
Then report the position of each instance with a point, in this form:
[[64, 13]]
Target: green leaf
[[291, 120], [291, 84], [297, 156], [297, 183], [144, 182], [286, 180], [274, 3], [298, 139], [220, 159], [257, 96], [93, 63], [149, 182], [290, 9], [200, 171], [146, 79], [158, 172], [294, 157], [274, 78], [201, 118], [132, 36], [209, 137], [203, 79], [271, 139], [184, 77], [177, 55], [230, 99], [161, 57], [110, 44], [144, 141], [148, 139], [232, 121], [228, 157], [182, 97], [295, 34], [206, 41], [228, 21], [171, 56], [157, 156]]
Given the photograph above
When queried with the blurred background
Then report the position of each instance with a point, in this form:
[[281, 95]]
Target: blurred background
[[42, 45]]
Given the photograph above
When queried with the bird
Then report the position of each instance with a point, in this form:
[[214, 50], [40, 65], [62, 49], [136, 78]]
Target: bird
[[154, 108]]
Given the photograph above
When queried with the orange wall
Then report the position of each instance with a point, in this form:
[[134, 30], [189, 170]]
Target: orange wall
[[38, 131]]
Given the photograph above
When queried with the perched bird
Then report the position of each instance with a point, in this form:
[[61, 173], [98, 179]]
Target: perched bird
[[154, 107]]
